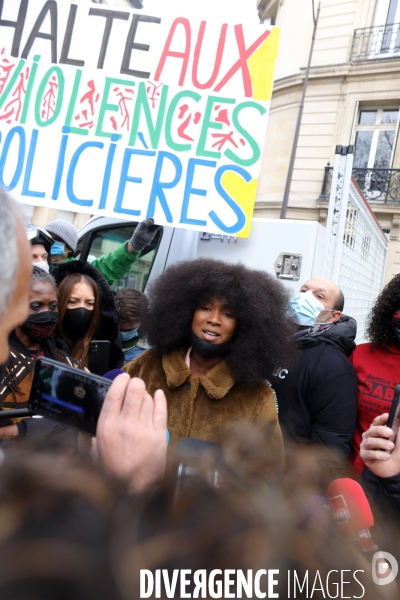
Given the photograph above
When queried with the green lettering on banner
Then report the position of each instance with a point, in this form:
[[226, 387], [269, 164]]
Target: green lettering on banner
[[208, 124], [253, 144], [41, 96], [178, 131], [142, 102], [105, 106], [71, 106], [172, 107]]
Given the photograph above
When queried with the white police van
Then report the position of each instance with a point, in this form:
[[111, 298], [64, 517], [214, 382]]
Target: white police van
[[351, 251], [288, 249]]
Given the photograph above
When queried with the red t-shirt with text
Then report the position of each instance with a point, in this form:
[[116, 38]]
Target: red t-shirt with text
[[378, 374]]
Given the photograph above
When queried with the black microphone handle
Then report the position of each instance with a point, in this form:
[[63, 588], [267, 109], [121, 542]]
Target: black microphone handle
[[16, 414]]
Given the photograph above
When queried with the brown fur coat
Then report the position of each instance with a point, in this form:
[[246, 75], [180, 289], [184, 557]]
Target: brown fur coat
[[201, 407]]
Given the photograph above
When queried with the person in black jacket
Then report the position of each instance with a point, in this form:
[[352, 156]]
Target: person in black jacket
[[30, 340], [317, 397], [84, 319]]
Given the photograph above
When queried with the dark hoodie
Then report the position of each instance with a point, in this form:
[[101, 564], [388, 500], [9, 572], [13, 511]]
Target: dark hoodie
[[109, 317], [317, 397]]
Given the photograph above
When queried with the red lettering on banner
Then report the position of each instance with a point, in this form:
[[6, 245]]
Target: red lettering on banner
[[184, 56], [197, 52], [244, 54], [5, 69], [12, 110]]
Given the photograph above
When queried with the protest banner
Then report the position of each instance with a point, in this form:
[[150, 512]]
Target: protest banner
[[134, 114]]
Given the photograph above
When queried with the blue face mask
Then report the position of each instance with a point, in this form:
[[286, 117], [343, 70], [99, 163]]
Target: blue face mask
[[129, 335], [305, 308], [57, 249]]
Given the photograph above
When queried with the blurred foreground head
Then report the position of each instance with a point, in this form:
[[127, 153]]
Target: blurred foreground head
[[67, 532], [55, 515], [15, 272], [250, 522]]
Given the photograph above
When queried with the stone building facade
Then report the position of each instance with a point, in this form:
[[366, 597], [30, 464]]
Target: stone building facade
[[353, 97]]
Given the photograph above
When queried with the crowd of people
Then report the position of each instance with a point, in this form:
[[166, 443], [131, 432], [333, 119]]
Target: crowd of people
[[277, 396]]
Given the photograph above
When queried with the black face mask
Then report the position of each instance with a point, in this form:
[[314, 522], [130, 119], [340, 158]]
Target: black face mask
[[41, 325], [76, 322], [396, 328], [207, 349]]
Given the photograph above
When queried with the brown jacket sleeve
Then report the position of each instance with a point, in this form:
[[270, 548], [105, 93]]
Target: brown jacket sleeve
[[265, 413]]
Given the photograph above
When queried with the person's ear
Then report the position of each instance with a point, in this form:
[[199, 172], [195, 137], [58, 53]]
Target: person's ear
[[336, 314]]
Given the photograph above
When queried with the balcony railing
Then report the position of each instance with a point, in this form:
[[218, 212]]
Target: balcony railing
[[377, 185], [376, 43]]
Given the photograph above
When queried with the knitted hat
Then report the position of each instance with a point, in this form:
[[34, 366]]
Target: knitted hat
[[65, 231]]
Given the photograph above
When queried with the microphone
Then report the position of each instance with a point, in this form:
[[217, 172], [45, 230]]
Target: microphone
[[351, 510], [15, 413], [113, 374], [193, 456]]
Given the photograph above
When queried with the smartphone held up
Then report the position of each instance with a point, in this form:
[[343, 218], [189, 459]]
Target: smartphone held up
[[67, 395], [394, 415]]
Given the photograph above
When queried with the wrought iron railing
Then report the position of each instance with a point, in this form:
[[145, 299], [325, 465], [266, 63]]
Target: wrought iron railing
[[376, 43], [377, 185]]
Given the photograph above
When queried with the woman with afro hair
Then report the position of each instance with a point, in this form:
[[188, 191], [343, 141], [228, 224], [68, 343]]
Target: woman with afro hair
[[377, 363], [217, 331]]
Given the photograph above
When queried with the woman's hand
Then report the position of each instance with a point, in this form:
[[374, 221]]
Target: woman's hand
[[379, 454]]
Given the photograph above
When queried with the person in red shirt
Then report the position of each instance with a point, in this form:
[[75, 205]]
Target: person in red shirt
[[377, 363]]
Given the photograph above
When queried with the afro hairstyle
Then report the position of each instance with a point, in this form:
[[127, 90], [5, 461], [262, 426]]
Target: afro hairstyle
[[262, 339], [380, 332]]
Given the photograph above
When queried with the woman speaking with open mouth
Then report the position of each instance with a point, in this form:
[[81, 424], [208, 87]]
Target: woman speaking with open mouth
[[217, 331]]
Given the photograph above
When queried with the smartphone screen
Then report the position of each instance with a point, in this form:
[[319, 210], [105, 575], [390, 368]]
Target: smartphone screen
[[67, 395], [394, 416]]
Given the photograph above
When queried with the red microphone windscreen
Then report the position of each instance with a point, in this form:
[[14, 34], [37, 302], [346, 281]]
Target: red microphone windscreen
[[349, 504]]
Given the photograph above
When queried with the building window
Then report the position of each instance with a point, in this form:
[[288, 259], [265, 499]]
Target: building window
[[387, 12], [375, 137], [387, 16]]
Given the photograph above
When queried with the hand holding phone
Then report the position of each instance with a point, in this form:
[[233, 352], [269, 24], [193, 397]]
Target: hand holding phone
[[375, 439], [394, 415]]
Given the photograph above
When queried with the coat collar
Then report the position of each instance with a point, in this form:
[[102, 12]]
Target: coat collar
[[216, 382]]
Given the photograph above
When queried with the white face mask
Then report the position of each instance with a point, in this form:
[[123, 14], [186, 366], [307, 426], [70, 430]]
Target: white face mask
[[42, 265]]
